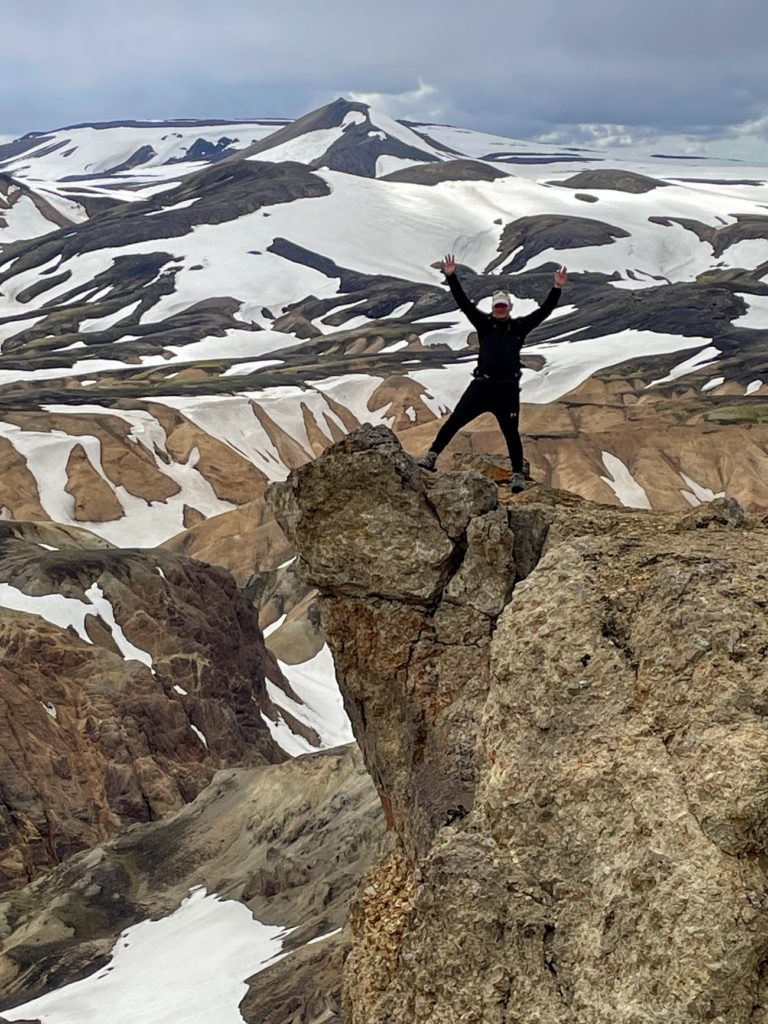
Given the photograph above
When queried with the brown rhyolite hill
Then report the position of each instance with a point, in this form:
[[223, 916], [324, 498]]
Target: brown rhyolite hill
[[659, 435], [91, 741], [562, 705]]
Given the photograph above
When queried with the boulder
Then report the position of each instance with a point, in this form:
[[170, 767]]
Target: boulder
[[572, 762]]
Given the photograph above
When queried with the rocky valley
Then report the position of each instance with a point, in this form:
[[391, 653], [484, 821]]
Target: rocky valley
[[341, 739]]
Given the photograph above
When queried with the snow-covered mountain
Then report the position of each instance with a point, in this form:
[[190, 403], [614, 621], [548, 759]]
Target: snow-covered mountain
[[285, 277], [231, 298], [113, 147], [189, 310]]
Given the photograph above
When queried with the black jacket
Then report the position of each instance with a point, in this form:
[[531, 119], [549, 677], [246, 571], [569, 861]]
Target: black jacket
[[500, 340]]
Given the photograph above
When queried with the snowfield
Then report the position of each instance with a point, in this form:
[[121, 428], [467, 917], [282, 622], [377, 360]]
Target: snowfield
[[261, 312], [386, 240], [188, 967]]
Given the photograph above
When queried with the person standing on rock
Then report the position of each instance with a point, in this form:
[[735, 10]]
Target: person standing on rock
[[496, 384]]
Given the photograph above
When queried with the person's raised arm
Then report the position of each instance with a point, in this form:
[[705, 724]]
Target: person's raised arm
[[467, 307], [535, 318]]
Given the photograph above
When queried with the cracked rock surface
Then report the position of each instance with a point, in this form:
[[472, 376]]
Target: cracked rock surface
[[566, 722]]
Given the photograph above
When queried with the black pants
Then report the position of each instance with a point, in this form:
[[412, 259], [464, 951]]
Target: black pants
[[502, 398]]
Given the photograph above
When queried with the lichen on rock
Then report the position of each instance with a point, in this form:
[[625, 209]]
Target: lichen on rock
[[565, 720]]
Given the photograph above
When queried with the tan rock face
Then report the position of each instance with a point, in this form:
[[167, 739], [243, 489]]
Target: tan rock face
[[19, 489], [608, 734], [620, 744], [366, 521], [91, 740], [403, 398], [95, 500], [661, 441], [230, 475], [125, 464], [242, 541]]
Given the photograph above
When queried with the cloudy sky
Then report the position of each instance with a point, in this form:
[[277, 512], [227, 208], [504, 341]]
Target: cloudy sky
[[688, 72]]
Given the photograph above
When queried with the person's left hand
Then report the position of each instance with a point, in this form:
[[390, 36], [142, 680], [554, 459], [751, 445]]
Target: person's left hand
[[561, 277]]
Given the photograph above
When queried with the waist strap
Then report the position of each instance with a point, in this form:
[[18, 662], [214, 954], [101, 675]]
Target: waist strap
[[496, 380]]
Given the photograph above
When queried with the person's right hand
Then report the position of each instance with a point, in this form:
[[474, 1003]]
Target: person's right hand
[[449, 265]]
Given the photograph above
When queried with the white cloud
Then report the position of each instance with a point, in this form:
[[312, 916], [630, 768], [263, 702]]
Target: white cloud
[[746, 141], [425, 103], [513, 70]]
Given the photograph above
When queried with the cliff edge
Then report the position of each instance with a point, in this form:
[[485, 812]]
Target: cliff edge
[[562, 706]]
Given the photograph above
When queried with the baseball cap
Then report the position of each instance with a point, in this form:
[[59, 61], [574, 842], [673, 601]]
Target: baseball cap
[[500, 298]]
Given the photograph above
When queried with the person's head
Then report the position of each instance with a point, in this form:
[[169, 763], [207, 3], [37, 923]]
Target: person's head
[[500, 305]]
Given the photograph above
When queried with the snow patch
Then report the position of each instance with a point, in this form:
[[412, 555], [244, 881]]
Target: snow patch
[[314, 682], [698, 494], [320, 938], [238, 369], [756, 317], [569, 363], [71, 611], [188, 967], [200, 735], [621, 482], [696, 362], [273, 627], [104, 610]]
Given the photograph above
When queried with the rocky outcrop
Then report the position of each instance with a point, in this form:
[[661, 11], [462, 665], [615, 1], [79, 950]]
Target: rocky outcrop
[[366, 523], [446, 170], [561, 705], [290, 841], [620, 180], [526, 237], [121, 694]]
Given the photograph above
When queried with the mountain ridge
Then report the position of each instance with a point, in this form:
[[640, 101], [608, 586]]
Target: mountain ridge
[[233, 309]]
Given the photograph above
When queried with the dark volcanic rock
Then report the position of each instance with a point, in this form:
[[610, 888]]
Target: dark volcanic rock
[[224, 192], [619, 180], [357, 149], [528, 236], [360, 146], [141, 156], [30, 141], [745, 227], [329, 116], [449, 170]]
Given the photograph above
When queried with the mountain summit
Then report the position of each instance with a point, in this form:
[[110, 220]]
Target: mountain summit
[[557, 694], [573, 787]]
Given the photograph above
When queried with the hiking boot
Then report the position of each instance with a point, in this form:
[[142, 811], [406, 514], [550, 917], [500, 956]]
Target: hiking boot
[[517, 483], [427, 461]]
